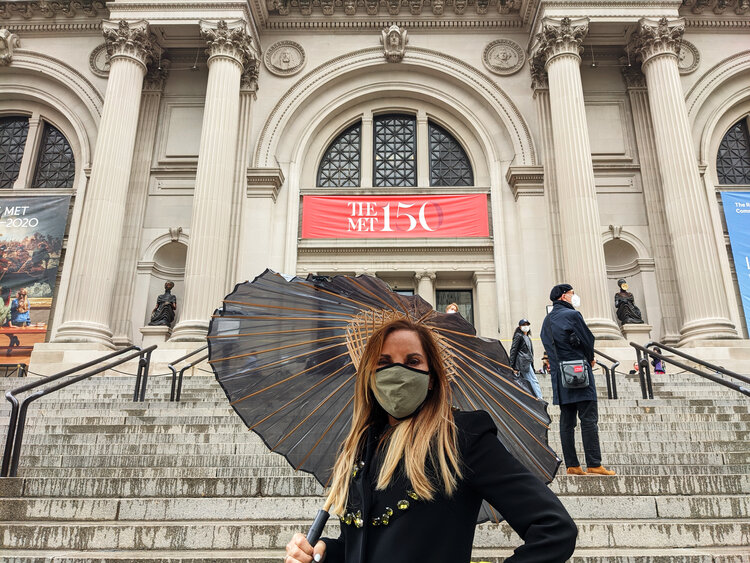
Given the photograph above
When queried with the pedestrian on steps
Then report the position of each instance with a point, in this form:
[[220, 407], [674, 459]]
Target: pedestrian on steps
[[566, 337], [522, 356]]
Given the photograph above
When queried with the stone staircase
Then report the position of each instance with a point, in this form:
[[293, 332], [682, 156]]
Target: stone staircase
[[106, 479]]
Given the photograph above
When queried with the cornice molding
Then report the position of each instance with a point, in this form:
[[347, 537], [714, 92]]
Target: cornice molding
[[395, 246], [32, 28], [278, 23], [264, 182], [525, 180]]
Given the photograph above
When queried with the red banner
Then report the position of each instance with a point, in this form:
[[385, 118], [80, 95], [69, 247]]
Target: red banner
[[443, 216]]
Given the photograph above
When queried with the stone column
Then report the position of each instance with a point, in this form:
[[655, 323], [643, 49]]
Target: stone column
[[229, 50], [705, 310], [557, 50], [122, 313], [426, 286], [87, 308], [654, 196], [248, 89]]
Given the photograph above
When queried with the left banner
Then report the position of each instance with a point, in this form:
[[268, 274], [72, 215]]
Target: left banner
[[31, 236]]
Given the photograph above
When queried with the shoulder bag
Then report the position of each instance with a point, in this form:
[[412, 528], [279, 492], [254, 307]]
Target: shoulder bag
[[573, 373]]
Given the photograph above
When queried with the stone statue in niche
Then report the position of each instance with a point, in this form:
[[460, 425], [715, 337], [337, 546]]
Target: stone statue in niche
[[166, 305], [394, 42], [627, 312]]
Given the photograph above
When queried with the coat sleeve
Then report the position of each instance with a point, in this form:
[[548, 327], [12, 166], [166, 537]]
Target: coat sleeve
[[516, 344], [526, 503]]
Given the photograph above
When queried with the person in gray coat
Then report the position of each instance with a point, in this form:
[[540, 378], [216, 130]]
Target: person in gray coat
[[522, 355], [565, 337]]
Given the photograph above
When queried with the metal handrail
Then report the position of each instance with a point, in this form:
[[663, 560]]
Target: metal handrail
[[175, 396], [19, 410], [182, 372], [644, 371], [609, 374]]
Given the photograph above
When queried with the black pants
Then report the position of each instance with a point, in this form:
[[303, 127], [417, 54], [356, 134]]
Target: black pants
[[588, 412]]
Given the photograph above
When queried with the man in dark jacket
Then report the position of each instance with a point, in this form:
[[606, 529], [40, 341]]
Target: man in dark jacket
[[566, 337]]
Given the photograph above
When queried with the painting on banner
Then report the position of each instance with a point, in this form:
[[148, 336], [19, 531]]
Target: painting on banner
[[737, 213], [397, 216], [31, 236]]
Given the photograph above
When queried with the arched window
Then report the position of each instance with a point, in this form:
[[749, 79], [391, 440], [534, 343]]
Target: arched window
[[23, 166], [395, 160], [13, 133], [733, 159]]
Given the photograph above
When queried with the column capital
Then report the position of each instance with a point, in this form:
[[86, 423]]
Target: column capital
[[633, 77], [228, 39], [249, 78], [156, 76], [558, 37], [129, 39], [539, 78], [419, 276], [657, 37]]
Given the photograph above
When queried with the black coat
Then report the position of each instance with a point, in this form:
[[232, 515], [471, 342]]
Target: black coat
[[521, 353], [442, 530], [573, 341]]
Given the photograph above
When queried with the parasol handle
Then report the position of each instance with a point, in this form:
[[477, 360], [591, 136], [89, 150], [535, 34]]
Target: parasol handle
[[313, 534]]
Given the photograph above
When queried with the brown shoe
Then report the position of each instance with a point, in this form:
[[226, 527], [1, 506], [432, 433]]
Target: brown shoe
[[576, 470], [600, 470]]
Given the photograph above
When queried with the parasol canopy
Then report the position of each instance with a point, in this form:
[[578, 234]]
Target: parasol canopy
[[286, 351]]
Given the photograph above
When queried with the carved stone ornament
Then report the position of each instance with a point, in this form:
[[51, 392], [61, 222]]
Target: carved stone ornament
[[8, 42], [394, 42], [688, 58], [657, 37], [559, 37], [27, 9], [503, 57], [228, 39], [284, 58], [633, 76], [99, 61], [249, 78], [156, 75], [131, 40]]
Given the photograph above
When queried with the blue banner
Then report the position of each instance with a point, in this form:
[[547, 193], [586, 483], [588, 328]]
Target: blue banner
[[737, 213]]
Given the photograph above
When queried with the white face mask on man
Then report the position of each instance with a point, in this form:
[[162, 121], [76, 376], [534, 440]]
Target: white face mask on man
[[575, 300]]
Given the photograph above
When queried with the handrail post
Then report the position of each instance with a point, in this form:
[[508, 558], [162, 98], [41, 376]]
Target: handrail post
[[649, 386], [607, 379], [23, 411], [614, 381], [144, 363], [179, 383], [11, 433], [174, 383], [138, 376], [641, 376]]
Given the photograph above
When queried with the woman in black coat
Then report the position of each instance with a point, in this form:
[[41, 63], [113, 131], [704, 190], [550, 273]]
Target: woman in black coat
[[412, 474], [522, 356]]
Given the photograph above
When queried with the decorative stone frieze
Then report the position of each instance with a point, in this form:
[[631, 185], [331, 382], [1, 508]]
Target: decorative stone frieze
[[394, 42], [228, 39], [49, 9], [284, 58], [559, 37], [718, 7], [503, 57], [657, 37], [8, 42], [393, 7], [128, 39]]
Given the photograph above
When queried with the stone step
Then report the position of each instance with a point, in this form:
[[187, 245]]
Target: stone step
[[495, 555], [298, 508], [303, 485], [260, 534]]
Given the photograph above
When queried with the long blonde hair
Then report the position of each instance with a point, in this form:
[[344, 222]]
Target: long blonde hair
[[431, 432]]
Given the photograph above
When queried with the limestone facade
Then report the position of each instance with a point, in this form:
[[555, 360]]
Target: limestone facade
[[198, 127]]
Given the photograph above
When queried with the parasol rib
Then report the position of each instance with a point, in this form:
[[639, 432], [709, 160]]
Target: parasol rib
[[328, 428], [295, 345], [259, 306], [269, 332]]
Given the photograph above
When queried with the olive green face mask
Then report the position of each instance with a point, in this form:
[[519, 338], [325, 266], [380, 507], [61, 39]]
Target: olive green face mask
[[401, 390]]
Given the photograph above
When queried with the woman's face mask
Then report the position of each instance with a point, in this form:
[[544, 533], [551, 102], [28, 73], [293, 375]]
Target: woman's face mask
[[525, 328], [401, 390]]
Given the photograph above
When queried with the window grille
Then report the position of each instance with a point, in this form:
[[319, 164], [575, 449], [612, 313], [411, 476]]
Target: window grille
[[449, 165], [395, 151], [13, 133], [56, 167], [340, 164], [733, 159]]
